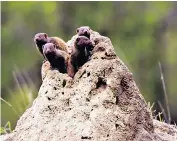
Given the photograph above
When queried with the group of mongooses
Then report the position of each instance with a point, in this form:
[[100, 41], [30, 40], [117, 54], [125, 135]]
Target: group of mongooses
[[56, 54]]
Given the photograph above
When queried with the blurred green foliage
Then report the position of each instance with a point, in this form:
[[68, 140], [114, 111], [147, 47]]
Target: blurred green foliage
[[6, 129], [142, 34]]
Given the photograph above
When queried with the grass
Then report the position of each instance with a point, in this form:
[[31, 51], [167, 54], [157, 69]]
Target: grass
[[9, 105], [6, 129], [161, 116], [168, 116], [17, 101]]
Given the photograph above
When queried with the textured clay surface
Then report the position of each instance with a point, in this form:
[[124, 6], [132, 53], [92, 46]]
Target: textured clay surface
[[101, 103]]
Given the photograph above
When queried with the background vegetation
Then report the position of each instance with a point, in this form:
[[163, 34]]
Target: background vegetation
[[143, 33]]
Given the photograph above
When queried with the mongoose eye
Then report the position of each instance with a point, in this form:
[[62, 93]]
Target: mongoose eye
[[78, 39]]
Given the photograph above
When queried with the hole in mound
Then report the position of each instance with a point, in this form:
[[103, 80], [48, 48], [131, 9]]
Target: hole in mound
[[54, 88], [116, 126], [63, 93], [82, 74], [49, 98], [85, 137], [88, 74], [101, 49], [117, 100], [101, 83], [96, 41], [49, 107], [107, 135], [46, 92], [87, 99], [64, 83]]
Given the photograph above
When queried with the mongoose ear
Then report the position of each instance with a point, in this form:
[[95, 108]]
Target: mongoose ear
[[77, 30], [45, 35]]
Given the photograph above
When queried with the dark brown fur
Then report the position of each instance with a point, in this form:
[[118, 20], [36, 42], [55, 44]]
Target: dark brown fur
[[58, 58], [79, 55], [41, 39], [85, 31]]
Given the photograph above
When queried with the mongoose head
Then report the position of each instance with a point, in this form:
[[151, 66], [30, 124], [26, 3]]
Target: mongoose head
[[83, 31], [40, 39], [49, 49], [82, 42], [56, 57]]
